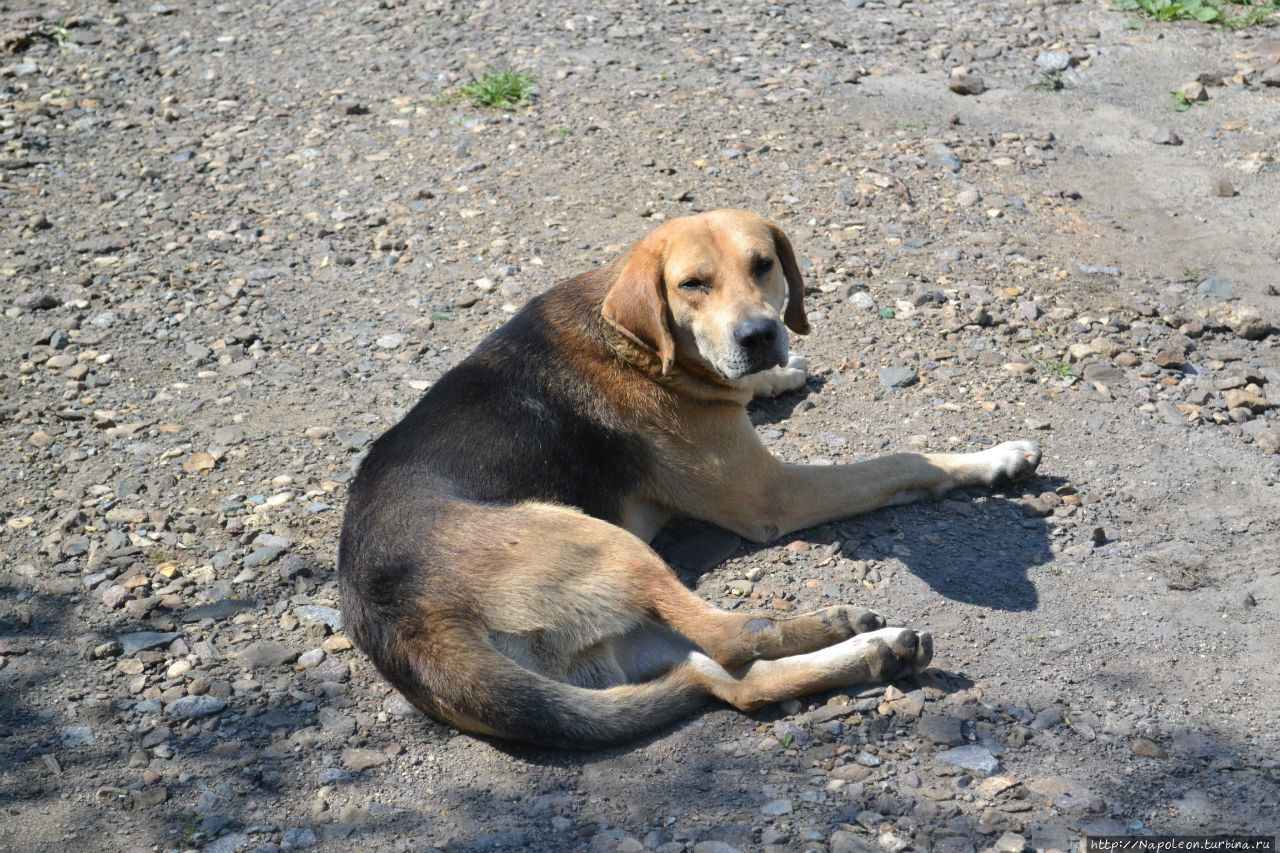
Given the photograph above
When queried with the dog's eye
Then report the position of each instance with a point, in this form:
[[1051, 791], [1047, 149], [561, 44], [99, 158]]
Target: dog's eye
[[762, 266], [693, 284]]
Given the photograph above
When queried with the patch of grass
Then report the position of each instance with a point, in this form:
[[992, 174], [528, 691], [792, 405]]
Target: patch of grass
[[59, 33], [1050, 81], [1181, 103], [786, 740], [1037, 639], [498, 88], [1227, 13], [1052, 365]]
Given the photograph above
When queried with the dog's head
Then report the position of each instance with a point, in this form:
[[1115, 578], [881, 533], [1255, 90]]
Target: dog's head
[[713, 290]]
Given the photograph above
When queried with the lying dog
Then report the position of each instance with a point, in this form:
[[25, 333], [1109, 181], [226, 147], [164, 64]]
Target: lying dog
[[493, 562]]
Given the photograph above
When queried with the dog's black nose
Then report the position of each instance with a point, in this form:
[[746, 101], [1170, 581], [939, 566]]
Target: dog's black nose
[[757, 336]]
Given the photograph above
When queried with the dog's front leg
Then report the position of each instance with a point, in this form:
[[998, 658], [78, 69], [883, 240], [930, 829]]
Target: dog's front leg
[[736, 483]]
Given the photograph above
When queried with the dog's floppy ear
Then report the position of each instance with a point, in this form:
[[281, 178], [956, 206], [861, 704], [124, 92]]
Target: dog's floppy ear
[[794, 317], [637, 304]]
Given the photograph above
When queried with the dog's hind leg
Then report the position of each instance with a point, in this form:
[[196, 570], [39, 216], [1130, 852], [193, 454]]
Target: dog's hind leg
[[569, 581], [875, 656]]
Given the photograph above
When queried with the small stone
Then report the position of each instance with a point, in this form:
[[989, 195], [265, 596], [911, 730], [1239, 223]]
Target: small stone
[[336, 643], [897, 377], [1053, 62], [149, 797], [298, 837], [1219, 287], [965, 82], [843, 841], [359, 760], [975, 759], [1249, 397], [776, 808], [199, 463], [194, 707], [1194, 91], [131, 644], [221, 609], [1170, 359], [1064, 793], [862, 299], [1105, 347], [114, 596], [941, 729], [1011, 842], [1148, 748], [391, 341], [1220, 187], [321, 614], [239, 368], [310, 659], [1035, 508], [36, 302], [1164, 136], [1247, 323], [336, 723], [264, 653], [40, 439], [262, 556]]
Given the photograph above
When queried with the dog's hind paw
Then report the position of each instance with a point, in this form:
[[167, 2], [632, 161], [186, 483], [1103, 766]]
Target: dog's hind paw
[[1007, 462]]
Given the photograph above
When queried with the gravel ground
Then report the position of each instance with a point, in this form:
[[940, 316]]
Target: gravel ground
[[237, 244]]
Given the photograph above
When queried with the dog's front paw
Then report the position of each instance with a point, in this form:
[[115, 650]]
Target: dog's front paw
[[779, 380], [1007, 462]]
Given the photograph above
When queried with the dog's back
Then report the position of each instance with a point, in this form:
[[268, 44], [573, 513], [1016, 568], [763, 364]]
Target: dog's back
[[542, 413]]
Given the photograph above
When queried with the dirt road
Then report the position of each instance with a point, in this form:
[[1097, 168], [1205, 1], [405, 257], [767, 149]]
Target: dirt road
[[236, 243]]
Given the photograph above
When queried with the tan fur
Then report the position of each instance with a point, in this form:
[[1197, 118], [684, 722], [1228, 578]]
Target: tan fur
[[534, 620]]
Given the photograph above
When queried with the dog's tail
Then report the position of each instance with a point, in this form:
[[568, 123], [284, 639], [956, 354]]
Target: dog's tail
[[453, 672]]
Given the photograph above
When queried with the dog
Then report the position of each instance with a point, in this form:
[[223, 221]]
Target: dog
[[493, 561]]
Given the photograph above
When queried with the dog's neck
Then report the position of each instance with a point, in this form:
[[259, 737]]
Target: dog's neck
[[684, 378]]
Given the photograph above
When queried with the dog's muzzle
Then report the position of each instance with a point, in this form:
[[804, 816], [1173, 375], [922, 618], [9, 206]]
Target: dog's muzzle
[[763, 343]]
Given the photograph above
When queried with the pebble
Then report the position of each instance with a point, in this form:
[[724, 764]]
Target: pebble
[[776, 808], [1164, 136], [131, 644], [391, 341], [965, 82], [1148, 748], [310, 659], [194, 707], [298, 837], [359, 760], [897, 377], [36, 301], [264, 653], [1011, 842], [941, 729], [1218, 287], [1220, 187], [843, 841], [1194, 91], [973, 758], [862, 299], [321, 614], [1053, 61]]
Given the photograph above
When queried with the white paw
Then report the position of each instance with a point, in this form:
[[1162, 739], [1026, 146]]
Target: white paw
[[779, 380], [1007, 462]]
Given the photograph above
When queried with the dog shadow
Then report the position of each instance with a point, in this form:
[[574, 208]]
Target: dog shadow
[[972, 547]]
